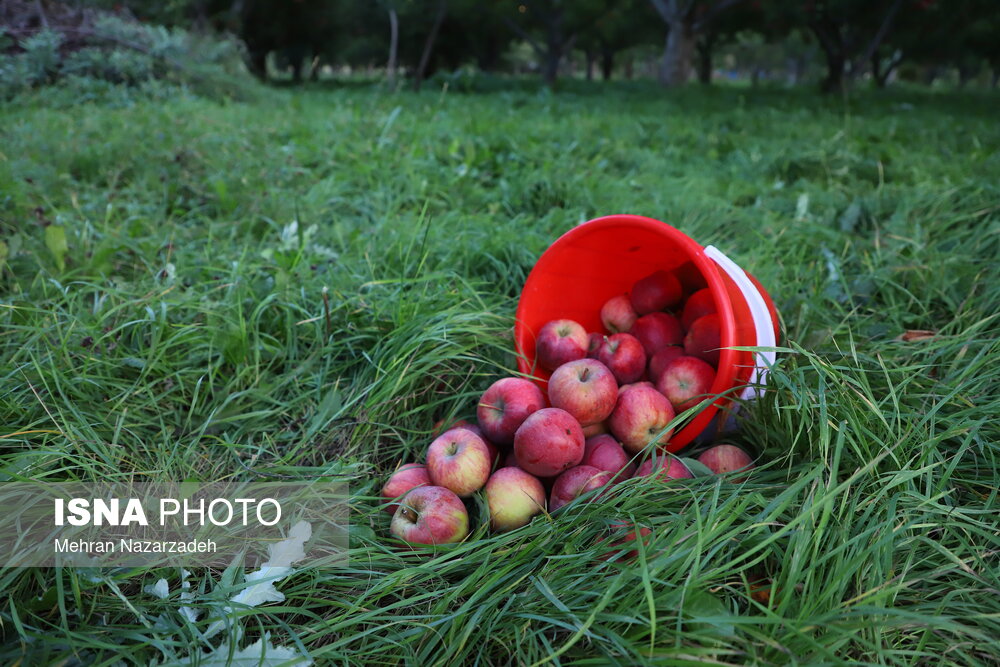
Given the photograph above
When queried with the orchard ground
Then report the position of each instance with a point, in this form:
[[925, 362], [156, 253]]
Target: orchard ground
[[163, 316]]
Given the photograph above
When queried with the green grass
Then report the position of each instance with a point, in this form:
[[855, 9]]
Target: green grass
[[180, 332]]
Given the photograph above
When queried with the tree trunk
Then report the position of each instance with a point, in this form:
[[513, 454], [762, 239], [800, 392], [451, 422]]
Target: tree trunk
[[995, 78], [555, 46], [829, 36], [629, 68], [257, 62], [879, 37], [878, 76], [425, 57], [834, 81], [966, 74], [591, 57], [550, 66], [607, 63], [836, 62], [678, 54], [489, 55], [705, 60], [393, 47]]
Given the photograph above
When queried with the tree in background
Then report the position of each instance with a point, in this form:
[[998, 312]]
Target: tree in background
[[849, 32], [624, 25], [961, 34], [686, 21], [417, 37], [552, 27], [739, 21], [299, 30]]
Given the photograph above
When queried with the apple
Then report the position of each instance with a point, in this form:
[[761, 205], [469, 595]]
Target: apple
[[726, 458], [504, 407], [617, 314], [627, 531], [459, 460], [509, 460], [656, 291], [625, 356], [605, 453], [513, 497], [699, 304], [594, 341], [591, 430], [704, 338], [639, 416], [560, 341], [548, 442], [585, 388], [691, 277], [685, 381], [439, 426], [430, 515], [657, 330], [574, 483], [667, 467], [660, 360], [640, 383], [494, 450], [407, 477]]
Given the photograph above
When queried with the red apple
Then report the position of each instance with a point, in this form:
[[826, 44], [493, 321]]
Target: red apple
[[704, 338], [594, 341], [626, 533], [509, 460], [504, 407], [639, 416], [605, 453], [548, 442], [640, 383], [691, 278], [591, 430], [560, 341], [407, 477], [726, 458], [459, 460], [667, 467], [699, 304], [617, 314], [685, 382], [513, 497], [657, 330], [660, 360], [574, 483], [494, 450], [655, 292], [624, 355], [430, 515], [585, 388], [439, 426]]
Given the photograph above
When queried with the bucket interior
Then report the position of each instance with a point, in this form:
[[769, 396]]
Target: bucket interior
[[603, 258]]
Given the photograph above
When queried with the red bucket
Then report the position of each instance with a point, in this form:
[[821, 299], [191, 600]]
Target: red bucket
[[604, 257]]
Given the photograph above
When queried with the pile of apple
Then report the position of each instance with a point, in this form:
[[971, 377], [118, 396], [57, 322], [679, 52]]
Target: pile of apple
[[609, 397]]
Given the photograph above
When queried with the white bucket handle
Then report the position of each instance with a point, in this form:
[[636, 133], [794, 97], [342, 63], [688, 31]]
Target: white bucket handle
[[761, 321]]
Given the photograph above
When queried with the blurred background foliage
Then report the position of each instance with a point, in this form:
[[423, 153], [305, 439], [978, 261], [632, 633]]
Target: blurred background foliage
[[215, 45]]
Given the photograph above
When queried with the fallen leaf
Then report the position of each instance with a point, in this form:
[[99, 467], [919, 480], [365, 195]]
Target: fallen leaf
[[911, 335]]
